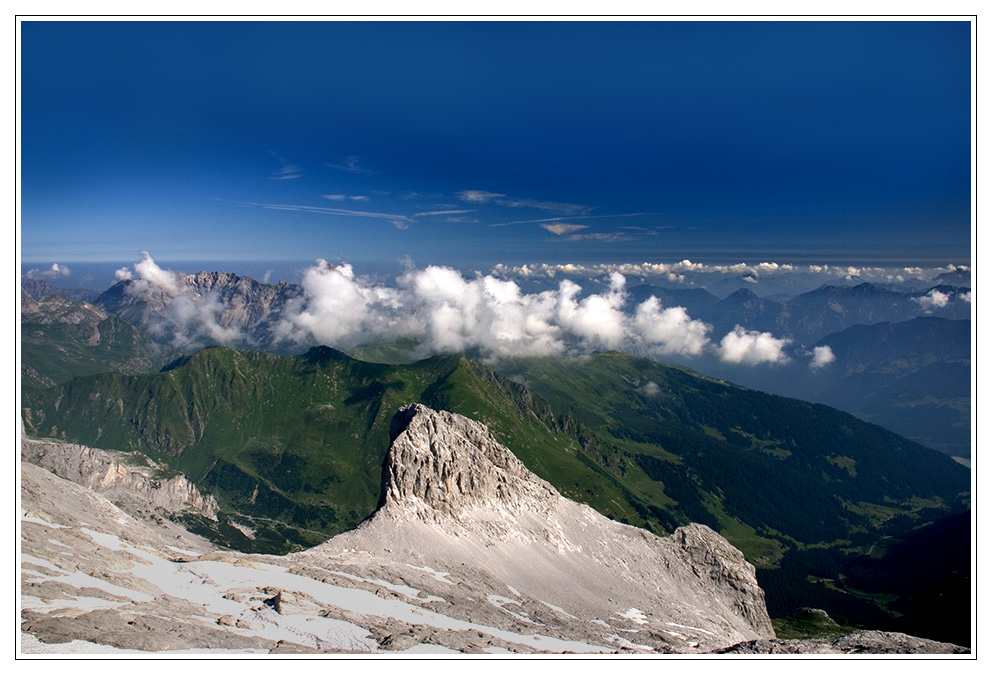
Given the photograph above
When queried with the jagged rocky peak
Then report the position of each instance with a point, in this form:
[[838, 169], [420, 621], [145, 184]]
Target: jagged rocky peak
[[455, 500], [445, 463]]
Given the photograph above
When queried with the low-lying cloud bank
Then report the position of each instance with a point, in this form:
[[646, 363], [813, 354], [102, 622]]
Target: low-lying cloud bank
[[681, 272], [448, 313]]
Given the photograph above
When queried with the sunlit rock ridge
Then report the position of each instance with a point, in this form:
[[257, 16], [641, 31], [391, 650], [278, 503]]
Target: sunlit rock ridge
[[454, 499]]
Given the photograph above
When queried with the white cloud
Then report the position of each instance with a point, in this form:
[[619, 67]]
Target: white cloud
[[597, 319], [686, 269], [447, 312], [651, 388], [751, 347], [338, 309], [478, 196], [822, 356], [965, 296], [932, 300], [56, 271], [562, 228], [175, 311], [151, 275], [670, 330]]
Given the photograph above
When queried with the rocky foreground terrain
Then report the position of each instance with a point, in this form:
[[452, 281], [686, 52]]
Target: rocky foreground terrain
[[469, 552]]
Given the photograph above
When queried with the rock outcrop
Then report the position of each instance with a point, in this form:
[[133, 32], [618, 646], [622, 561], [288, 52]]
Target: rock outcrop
[[454, 499], [858, 642], [135, 489], [203, 309], [442, 464]]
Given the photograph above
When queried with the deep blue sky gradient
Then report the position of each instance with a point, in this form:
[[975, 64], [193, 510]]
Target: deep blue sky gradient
[[784, 141]]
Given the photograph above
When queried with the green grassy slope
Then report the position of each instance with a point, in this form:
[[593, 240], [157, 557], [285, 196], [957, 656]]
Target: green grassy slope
[[57, 352], [300, 440]]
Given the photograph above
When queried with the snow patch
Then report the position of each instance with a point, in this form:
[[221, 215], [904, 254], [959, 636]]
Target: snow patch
[[440, 576], [635, 615], [570, 616], [408, 591]]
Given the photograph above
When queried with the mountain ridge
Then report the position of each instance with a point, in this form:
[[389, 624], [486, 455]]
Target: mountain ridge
[[98, 579]]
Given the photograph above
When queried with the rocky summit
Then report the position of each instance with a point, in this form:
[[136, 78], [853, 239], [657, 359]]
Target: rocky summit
[[468, 552], [454, 499]]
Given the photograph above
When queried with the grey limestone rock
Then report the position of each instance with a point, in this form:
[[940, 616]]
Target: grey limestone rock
[[132, 487], [454, 499], [858, 642]]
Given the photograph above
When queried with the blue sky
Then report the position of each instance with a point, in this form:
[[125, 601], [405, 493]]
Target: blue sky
[[470, 144]]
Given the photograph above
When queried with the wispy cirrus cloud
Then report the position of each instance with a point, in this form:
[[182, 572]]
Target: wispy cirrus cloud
[[500, 199], [447, 212], [578, 217], [341, 198], [562, 228], [600, 236], [287, 171], [399, 221], [352, 164], [479, 196]]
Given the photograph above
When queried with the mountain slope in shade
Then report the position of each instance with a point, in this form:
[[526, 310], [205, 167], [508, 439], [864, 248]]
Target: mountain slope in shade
[[62, 339], [912, 377], [39, 288]]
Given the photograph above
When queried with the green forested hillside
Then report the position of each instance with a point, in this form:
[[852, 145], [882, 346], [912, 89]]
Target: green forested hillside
[[792, 471], [300, 440], [56, 352]]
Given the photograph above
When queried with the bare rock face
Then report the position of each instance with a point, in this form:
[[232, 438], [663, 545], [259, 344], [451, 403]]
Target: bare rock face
[[133, 488], [205, 308], [56, 309], [858, 642], [440, 463], [454, 499]]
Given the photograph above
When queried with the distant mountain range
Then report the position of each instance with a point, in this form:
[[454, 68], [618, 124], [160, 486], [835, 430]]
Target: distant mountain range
[[916, 380], [913, 377], [810, 317]]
